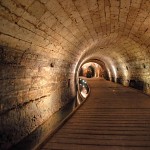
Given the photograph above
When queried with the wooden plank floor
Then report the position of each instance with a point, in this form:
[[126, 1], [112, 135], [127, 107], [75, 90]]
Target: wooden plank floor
[[113, 118]]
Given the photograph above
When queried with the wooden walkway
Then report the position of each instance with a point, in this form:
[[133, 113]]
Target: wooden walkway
[[113, 118]]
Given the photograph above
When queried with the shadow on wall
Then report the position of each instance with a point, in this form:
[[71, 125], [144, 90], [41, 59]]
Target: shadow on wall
[[48, 128], [137, 84], [134, 83], [33, 88]]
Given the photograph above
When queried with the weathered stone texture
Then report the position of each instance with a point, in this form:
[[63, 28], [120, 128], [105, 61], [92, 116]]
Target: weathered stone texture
[[32, 89], [44, 41]]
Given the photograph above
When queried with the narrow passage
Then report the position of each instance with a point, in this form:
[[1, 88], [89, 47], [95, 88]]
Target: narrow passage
[[113, 118]]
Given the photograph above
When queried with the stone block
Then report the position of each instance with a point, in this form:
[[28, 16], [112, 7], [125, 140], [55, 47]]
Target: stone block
[[37, 9]]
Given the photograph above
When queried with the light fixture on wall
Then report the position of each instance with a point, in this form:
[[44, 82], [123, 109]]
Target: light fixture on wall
[[114, 71]]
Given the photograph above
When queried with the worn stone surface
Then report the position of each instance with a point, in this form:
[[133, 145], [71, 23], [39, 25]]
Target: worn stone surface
[[43, 42], [32, 89]]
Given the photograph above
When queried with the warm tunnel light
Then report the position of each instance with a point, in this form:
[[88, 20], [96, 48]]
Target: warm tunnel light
[[114, 71], [91, 67]]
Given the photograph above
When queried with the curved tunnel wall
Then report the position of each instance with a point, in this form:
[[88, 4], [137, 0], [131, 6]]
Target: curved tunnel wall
[[33, 87], [125, 62], [43, 42]]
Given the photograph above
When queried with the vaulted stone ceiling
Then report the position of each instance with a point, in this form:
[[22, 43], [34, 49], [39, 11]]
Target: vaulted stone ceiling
[[71, 28], [43, 42]]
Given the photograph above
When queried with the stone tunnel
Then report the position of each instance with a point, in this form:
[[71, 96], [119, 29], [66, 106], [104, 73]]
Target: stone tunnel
[[44, 43]]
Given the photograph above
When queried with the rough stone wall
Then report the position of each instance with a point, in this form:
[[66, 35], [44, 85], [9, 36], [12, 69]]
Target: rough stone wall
[[33, 87], [135, 66], [42, 41], [128, 59]]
